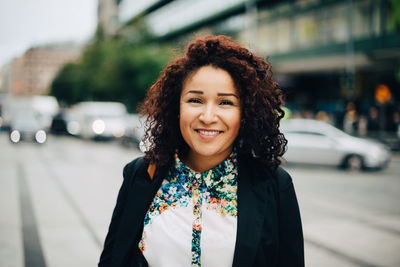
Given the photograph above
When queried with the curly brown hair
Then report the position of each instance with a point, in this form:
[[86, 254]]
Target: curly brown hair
[[261, 99]]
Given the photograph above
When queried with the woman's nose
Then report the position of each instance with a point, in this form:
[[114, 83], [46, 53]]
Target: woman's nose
[[208, 114]]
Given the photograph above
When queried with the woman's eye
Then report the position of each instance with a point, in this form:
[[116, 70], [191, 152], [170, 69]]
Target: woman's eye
[[194, 100], [226, 102]]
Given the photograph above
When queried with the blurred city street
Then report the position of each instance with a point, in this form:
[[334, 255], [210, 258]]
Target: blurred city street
[[57, 200], [74, 71]]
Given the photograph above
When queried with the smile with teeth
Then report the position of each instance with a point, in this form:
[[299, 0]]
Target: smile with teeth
[[208, 132]]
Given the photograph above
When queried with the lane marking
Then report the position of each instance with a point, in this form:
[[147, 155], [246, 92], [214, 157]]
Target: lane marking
[[71, 201], [350, 214], [339, 254], [33, 253]]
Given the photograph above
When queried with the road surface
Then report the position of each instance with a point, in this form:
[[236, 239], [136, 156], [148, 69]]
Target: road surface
[[56, 202]]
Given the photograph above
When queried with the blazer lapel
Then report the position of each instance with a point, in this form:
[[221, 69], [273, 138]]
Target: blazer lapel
[[140, 195], [253, 203]]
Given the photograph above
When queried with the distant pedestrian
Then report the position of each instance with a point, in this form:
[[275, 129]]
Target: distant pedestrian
[[373, 121], [350, 121], [209, 191], [395, 125], [362, 126]]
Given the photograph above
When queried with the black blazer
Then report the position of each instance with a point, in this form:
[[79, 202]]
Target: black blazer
[[269, 231]]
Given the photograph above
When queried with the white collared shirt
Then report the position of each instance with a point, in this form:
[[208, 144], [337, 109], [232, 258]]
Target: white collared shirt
[[192, 220]]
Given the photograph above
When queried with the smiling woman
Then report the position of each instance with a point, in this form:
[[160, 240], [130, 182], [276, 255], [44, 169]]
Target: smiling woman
[[209, 190], [209, 117]]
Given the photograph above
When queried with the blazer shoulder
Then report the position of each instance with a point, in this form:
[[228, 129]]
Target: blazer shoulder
[[131, 168], [283, 178]]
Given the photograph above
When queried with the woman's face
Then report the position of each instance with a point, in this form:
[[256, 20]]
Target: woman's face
[[210, 113]]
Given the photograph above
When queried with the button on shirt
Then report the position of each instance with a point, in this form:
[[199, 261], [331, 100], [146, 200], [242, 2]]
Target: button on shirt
[[192, 220]]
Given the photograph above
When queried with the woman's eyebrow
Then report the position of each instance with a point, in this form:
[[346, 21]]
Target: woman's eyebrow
[[227, 94], [219, 94], [195, 92]]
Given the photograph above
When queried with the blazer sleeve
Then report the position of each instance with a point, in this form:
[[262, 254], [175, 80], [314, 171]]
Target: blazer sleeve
[[128, 173], [291, 242]]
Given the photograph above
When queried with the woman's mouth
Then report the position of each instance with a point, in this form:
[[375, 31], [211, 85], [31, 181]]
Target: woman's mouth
[[208, 134]]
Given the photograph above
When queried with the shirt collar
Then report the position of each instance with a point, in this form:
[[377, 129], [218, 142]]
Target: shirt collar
[[224, 172]]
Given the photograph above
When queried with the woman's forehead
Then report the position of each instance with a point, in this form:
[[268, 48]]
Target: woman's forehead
[[210, 78]]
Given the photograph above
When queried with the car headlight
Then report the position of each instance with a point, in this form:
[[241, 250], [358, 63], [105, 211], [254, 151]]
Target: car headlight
[[377, 154], [40, 136], [98, 126], [119, 131], [15, 136], [73, 127]]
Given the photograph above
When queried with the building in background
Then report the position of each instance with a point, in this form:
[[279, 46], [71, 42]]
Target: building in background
[[33, 72], [324, 53], [5, 79], [107, 16]]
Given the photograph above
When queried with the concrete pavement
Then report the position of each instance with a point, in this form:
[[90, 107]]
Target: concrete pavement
[[56, 202]]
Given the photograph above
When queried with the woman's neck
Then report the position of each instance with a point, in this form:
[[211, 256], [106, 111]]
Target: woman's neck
[[202, 163]]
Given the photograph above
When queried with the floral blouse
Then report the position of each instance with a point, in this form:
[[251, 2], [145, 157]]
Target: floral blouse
[[192, 220]]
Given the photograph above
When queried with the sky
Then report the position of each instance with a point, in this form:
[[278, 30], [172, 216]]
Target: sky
[[26, 23]]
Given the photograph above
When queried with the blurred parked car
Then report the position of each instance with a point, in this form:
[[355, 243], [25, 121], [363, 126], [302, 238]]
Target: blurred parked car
[[58, 124], [316, 142], [43, 107], [97, 120], [25, 126], [134, 131]]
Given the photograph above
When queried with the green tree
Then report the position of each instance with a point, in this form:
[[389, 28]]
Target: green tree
[[68, 86], [119, 69]]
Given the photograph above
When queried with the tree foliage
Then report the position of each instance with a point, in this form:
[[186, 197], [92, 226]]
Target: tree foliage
[[117, 69]]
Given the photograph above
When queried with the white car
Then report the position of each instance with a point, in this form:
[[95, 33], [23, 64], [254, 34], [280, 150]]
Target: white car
[[316, 142], [135, 130], [92, 120], [25, 126]]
